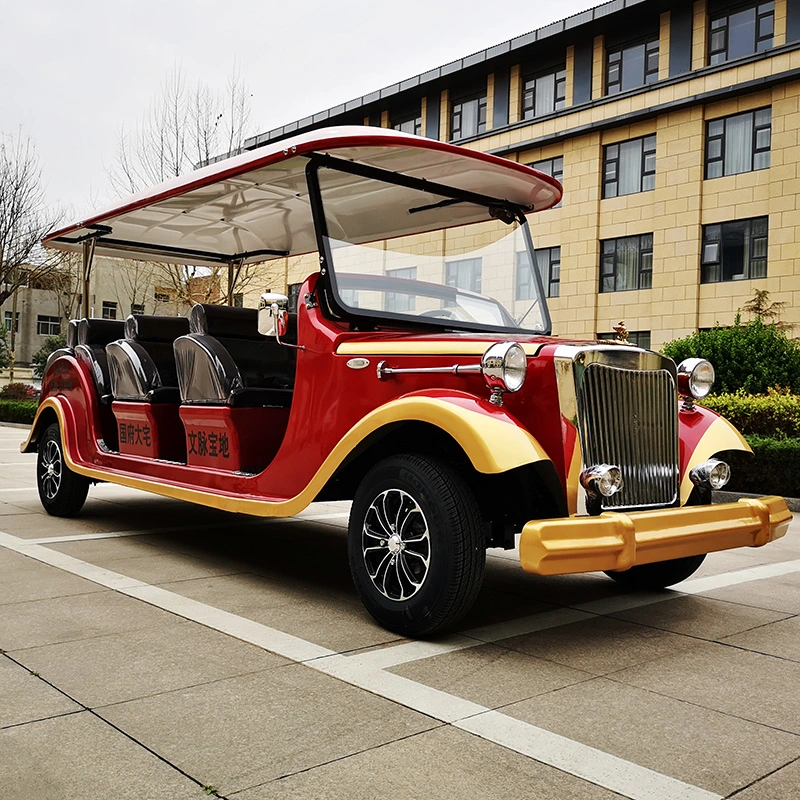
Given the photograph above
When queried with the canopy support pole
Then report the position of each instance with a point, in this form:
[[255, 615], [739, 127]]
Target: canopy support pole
[[88, 257], [234, 268]]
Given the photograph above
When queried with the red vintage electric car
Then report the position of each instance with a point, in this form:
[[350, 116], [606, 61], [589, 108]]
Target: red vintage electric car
[[417, 376]]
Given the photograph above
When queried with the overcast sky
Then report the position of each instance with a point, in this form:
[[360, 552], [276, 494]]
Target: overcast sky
[[75, 73]]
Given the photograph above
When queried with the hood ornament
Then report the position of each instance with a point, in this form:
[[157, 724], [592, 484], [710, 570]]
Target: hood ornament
[[622, 332]]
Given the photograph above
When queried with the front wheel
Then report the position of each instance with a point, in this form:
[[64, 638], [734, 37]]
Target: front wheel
[[62, 491], [651, 577], [415, 545]]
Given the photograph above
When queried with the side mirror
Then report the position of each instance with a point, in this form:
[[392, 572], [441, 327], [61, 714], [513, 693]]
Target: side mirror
[[273, 316]]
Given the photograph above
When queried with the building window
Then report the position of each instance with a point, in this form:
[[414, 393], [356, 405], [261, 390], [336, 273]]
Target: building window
[[8, 315], [544, 93], [554, 167], [294, 295], [401, 301], [734, 251], [464, 274], [238, 300], [741, 31], [409, 124], [161, 297], [638, 338], [48, 326], [629, 167], [632, 65], [349, 297], [627, 263], [137, 308], [548, 262], [740, 143], [468, 116], [109, 310]]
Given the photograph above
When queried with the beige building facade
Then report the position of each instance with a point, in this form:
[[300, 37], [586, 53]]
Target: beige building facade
[[674, 130]]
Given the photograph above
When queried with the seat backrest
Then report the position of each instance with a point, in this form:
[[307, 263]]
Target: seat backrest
[[225, 360], [262, 362], [92, 336], [155, 334], [69, 347]]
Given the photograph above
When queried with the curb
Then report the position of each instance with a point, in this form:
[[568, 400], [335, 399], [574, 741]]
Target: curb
[[732, 497], [21, 425]]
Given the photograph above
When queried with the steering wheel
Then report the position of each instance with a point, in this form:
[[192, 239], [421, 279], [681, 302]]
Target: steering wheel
[[439, 313]]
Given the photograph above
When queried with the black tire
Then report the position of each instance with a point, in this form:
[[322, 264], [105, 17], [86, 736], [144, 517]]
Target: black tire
[[651, 577], [421, 572], [62, 491]]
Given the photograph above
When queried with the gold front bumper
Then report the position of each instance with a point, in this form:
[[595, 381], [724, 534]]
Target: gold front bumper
[[619, 541]]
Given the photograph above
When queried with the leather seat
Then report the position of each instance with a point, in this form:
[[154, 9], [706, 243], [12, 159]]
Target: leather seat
[[142, 365], [93, 335], [225, 361]]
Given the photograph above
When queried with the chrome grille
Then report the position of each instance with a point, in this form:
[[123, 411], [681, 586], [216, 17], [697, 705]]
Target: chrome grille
[[630, 418]]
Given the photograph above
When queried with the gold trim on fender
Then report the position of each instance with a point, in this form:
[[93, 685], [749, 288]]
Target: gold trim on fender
[[404, 348], [493, 444], [720, 435], [613, 541]]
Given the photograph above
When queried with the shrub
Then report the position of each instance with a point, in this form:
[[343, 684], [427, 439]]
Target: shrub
[[18, 391], [753, 357], [39, 359], [775, 414], [18, 411], [772, 469]]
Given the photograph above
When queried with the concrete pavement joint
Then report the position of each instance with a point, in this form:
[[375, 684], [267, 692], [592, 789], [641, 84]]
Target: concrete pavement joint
[[588, 763]]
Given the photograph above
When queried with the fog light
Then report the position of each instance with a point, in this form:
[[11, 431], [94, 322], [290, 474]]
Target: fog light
[[604, 478], [711, 474]]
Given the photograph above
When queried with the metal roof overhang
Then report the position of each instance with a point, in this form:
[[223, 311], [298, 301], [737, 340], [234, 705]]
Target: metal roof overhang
[[255, 206]]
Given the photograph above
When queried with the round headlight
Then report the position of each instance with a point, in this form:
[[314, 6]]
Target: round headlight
[[504, 366], [695, 378]]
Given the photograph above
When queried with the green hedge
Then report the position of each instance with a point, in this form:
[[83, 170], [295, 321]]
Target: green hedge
[[750, 357], [772, 469], [18, 410], [775, 414]]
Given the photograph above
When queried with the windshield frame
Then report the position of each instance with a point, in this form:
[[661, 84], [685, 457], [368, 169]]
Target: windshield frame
[[373, 318]]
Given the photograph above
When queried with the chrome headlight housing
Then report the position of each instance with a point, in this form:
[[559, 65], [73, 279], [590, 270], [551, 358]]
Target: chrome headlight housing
[[504, 366], [711, 474], [695, 378]]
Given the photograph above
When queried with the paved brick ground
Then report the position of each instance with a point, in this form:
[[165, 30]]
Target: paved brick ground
[[152, 649]]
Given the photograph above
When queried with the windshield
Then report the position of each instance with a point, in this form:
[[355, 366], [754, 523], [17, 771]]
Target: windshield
[[477, 276]]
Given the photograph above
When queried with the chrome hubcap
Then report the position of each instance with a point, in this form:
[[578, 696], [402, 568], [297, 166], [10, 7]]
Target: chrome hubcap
[[50, 466], [396, 544]]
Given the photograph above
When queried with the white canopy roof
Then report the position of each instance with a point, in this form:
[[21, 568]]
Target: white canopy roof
[[256, 206]]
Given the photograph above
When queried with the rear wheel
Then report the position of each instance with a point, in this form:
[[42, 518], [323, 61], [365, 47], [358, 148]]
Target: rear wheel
[[658, 575], [62, 491], [415, 545]]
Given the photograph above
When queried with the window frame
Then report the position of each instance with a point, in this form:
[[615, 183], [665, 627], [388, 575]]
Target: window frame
[[51, 323], [644, 275], [651, 43], [614, 161], [390, 301], [755, 149], [107, 307], [717, 263], [719, 54], [482, 98], [555, 171], [559, 74]]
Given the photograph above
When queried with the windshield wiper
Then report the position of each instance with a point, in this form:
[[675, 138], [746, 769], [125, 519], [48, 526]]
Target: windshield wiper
[[431, 206]]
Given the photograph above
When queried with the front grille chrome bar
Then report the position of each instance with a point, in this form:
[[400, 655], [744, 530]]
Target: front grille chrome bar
[[629, 418]]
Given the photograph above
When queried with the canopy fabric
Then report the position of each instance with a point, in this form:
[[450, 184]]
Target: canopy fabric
[[255, 206]]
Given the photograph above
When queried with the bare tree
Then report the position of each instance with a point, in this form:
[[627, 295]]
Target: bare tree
[[182, 129], [25, 218]]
